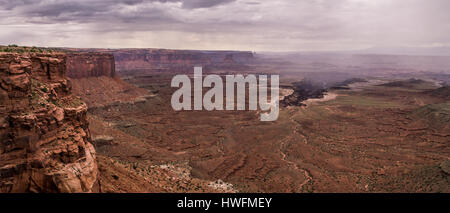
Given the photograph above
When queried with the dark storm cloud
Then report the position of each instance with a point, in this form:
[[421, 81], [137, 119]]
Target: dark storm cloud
[[65, 4], [45, 11], [76, 9], [10, 4], [204, 3], [96, 11]]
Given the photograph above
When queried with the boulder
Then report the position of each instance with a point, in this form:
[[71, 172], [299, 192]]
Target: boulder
[[445, 166]]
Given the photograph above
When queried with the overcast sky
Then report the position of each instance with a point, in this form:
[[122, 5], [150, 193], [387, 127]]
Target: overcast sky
[[257, 25]]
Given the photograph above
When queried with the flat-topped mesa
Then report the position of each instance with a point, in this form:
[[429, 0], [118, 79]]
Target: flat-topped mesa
[[44, 131], [90, 64]]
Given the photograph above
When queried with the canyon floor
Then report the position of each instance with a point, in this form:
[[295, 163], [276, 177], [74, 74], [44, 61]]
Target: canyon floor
[[369, 138]]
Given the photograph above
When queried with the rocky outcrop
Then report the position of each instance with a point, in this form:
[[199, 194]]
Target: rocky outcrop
[[44, 136], [445, 166], [90, 64], [303, 91], [441, 92]]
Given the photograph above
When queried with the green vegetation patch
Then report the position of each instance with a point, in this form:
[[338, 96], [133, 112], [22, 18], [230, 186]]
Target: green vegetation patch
[[412, 85], [40, 97], [435, 113], [13, 48], [364, 101]]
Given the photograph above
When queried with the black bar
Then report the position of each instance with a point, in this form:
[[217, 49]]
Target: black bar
[[150, 202]]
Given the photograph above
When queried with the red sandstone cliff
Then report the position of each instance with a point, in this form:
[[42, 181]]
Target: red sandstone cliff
[[90, 64], [43, 128], [134, 61], [93, 79], [179, 60]]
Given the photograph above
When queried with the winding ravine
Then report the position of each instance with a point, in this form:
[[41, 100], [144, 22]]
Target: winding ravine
[[284, 155], [292, 111]]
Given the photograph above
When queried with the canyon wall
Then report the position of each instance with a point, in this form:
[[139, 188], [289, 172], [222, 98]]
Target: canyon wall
[[94, 79], [90, 64], [135, 61], [178, 59], [45, 140]]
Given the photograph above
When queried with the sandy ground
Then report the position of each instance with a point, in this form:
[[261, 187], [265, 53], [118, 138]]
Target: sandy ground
[[327, 97], [285, 92], [359, 86]]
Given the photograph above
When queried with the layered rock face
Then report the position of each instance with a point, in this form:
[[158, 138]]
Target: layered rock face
[[179, 60], [93, 79], [44, 135], [94, 62], [82, 65], [131, 61]]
